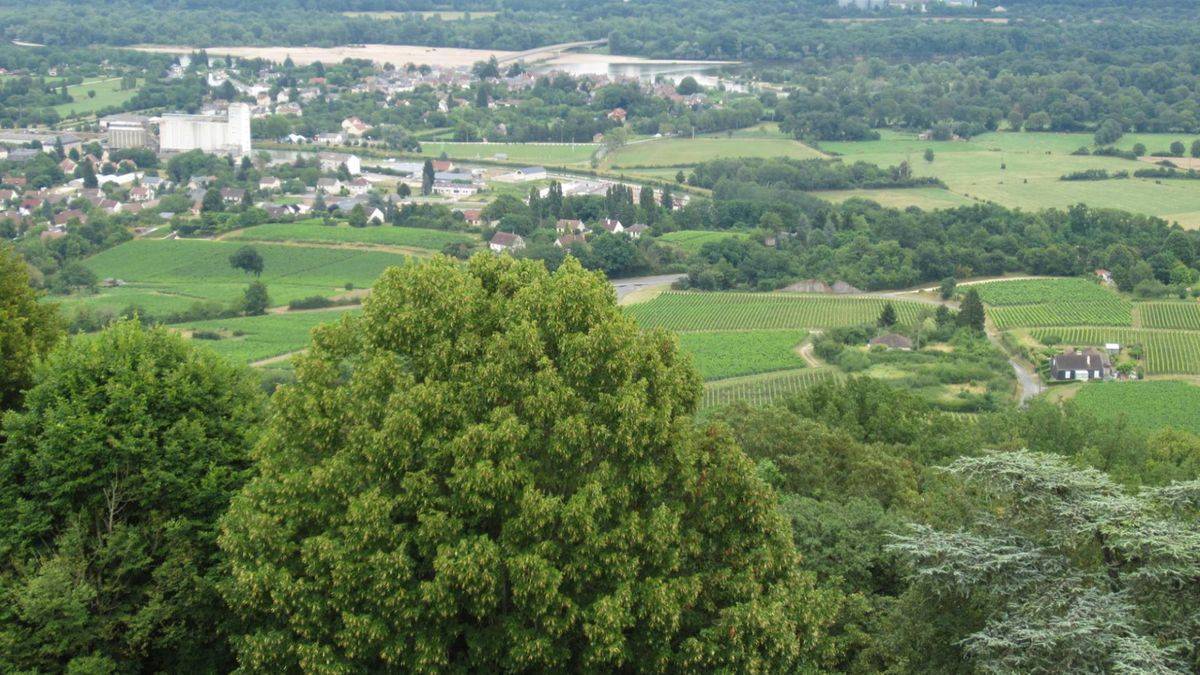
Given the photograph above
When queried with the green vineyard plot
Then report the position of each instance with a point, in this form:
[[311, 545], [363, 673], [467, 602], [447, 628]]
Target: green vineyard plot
[[729, 354], [689, 311], [764, 389], [1145, 405], [1185, 315], [1053, 302]]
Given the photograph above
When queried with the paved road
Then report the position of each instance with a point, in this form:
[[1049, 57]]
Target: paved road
[[1030, 384], [626, 286]]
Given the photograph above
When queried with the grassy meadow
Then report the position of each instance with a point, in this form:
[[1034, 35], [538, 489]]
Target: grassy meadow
[[1023, 170], [691, 240], [676, 152], [108, 93], [246, 340], [180, 271]]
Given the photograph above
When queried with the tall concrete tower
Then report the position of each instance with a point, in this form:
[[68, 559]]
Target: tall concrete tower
[[239, 128]]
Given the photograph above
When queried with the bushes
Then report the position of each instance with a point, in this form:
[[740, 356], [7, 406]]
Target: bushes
[[311, 302]]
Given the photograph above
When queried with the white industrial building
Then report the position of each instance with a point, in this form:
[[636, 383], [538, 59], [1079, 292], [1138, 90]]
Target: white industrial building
[[220, 134]]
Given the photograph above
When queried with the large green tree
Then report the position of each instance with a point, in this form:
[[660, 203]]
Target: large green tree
[[493, 469], [28, 329], [111, 483]]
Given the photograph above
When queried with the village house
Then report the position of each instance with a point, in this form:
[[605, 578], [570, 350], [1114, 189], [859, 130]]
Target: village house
[[569, 226], [232, 195], [332, 161], [67, 216], [269, 183], [568, 240], [359, 186], [636, 230], [506, 241], [140, 193], [354, 126], [612, 226], [329, 185], [1089, 364], [473, 217], [454, 189]]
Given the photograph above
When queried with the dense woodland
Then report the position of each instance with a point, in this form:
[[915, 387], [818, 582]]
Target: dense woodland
[[873, 247]]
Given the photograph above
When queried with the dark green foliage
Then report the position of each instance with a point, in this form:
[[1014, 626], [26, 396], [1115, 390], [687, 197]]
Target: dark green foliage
[[255, 301], [111, 481], [493, 469], [970, 313], [28, 328], [247, 259], [887, 316]]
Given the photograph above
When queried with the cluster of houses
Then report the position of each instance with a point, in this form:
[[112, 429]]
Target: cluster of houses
[[570, 232]]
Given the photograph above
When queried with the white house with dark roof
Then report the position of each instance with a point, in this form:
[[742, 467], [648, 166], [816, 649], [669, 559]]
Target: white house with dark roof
[[506, 241]]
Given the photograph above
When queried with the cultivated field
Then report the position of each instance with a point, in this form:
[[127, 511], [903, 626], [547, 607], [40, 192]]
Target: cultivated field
[[764, 389], [1166, 352], [730, 354], [249, 339], [687, 311], [313, 231], [192, 270], [108, 93], [1145, 405], [1183, 315], [680, 152], [1053, 302], [1023, 170]]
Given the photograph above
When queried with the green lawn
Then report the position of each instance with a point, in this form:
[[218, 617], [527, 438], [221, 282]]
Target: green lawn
[[924, 198], [192, 270], [668, 152], [548, 154], [1145, 405], [1033, 164], [108, 93], [254, 338], [730, 354], [385, 235], [691, 240]]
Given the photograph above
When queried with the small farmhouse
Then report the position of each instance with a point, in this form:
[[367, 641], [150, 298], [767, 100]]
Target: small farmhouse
[[1088, 364], [506, 241]]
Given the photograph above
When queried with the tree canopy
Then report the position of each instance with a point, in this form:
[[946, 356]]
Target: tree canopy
[[111, 483], [492, 468], [28, 329]]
